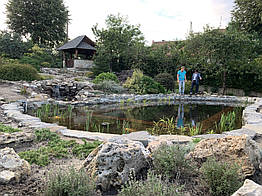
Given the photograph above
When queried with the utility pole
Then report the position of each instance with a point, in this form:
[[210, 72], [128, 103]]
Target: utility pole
[[67, 24]]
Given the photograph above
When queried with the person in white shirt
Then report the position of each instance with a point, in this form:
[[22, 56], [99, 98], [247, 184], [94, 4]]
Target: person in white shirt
[[196, 77]]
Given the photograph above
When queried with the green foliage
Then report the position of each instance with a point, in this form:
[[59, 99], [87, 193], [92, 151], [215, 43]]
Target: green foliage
[[196, 140], [45, 135], [14, 71], [117, 45], [164, 126], [247, 15], [12, 45], [8, 129], [196, 130], [141, 84], [224, 57], [109, 86], [41, 57], [166, 80], [105, 76], [221, 178], [69, 182], [170, 161], [56, 148], [153, 185], [43, 20], [83, 150], [161, 58], [227, 122]]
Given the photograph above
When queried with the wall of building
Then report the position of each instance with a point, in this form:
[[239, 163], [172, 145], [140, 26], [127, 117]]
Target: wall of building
[[83, 64]]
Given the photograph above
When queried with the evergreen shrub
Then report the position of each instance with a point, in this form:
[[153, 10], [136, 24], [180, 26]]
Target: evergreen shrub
[[17, 72], [166, 80], [105, 76], [220, 177]]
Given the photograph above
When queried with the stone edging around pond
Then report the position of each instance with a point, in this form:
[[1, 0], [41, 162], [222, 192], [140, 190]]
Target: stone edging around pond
[[252, 119]]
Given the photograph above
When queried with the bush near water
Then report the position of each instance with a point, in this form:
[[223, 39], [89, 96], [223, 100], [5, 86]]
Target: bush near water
[[16, 72]]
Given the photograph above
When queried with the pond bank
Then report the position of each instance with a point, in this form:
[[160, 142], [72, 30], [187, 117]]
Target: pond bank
[[251, 117]]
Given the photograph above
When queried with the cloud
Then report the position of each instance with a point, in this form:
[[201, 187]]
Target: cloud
[[160, 20]]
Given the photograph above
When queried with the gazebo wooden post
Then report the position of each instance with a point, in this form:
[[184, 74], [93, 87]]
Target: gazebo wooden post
[[64, 60], [76, 53]]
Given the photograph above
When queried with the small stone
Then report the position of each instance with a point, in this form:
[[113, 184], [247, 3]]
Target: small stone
[[6, 176]]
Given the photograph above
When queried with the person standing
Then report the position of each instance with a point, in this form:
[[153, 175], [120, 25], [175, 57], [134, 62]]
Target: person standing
[[195, 81], [181, 79]]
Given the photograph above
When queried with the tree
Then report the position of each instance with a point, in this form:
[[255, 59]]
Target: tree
[[117, 44], [247, 15], [44, 21], [12, 45], [225, 55]]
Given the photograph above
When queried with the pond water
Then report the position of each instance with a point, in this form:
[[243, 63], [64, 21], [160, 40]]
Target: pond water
[[120, 119]]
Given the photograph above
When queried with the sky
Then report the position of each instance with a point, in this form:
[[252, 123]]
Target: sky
[[158, 19]]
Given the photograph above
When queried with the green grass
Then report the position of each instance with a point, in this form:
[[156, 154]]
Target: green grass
[[56, 148], [8, 129]]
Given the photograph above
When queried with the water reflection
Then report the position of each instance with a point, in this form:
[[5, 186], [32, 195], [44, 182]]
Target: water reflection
[[180, 116]]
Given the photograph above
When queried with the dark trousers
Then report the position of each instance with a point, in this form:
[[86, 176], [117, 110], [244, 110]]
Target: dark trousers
[[194, 83]]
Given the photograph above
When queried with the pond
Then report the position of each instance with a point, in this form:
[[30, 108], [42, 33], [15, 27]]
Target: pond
[[175, 118]]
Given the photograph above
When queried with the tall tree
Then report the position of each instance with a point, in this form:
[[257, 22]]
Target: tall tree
[[247, 15], [12, 45], [223, 53], [44, 21], [117, 44]]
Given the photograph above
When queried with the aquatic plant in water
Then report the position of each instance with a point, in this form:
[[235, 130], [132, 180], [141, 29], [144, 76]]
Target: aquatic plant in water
[[227, 122]]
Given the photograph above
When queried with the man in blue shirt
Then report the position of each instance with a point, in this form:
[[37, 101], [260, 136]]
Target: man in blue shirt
[[181, 79]]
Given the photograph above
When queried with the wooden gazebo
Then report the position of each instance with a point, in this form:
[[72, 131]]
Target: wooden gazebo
[[78, 52]]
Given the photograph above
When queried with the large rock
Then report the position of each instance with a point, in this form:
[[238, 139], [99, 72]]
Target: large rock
[[236, 149], [12, 167], [111, 163], [249, 188]]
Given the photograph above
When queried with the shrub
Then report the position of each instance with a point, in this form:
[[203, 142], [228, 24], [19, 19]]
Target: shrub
[[105, 76], [57, 148], [109, 86], [142, 84], [41, 57], [166, 80], [153, 185], [170, 161], [69, 182], [221, 178], [16, 72], [8, 129]]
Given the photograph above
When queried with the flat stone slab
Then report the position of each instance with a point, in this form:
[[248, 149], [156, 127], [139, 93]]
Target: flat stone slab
[[87, 135], [176, 139], [240, 132], [254, 127], [141, 136], [209, 136]]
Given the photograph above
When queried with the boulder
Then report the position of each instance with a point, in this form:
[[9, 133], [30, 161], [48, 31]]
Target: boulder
[[12, 167], [236, 149], [111, 163], [249, 188]]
